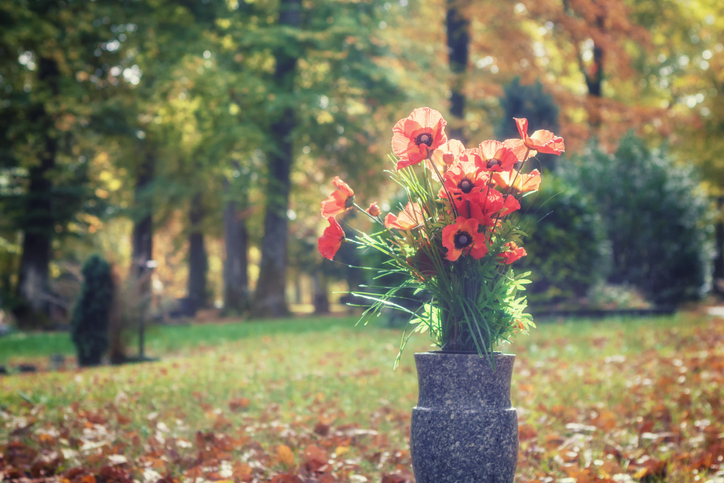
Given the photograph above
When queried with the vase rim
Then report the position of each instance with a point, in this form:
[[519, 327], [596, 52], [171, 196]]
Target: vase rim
[[461, 353]]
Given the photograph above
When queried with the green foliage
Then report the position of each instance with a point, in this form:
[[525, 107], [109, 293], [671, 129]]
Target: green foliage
[[471, 305], [657, 218], [89, 325], [48, 50], [565, 243]]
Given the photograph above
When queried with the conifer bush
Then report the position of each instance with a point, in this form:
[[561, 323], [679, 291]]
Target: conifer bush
[[566, 243], [656, 215], [89, 325]]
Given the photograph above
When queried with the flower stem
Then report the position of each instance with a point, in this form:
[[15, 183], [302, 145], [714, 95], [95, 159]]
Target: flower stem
[[442, 181], [373, 218]]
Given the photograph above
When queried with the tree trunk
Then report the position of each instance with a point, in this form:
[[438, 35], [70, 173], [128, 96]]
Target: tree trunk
[[236, 266], [269, 299], [594, 74], [142, 249], [198, 262], [719, 258], [458, 41], [298, 288], [321, 298], [594, 82], [38, 232]]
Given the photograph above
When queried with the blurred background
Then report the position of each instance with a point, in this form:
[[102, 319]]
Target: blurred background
[[172, 155]]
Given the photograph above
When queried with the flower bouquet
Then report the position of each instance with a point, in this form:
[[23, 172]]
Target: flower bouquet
[[455, 237]]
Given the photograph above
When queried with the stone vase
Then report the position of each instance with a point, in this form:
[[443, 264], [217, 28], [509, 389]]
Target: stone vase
[[464, 429]]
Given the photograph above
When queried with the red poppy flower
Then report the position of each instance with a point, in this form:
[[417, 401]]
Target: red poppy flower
[[374, 210], [472, 207], [416, 136], [487, 206], [331, 239], [444, 156], [542, 141], [513, 253], [448, 153], [519, 149], [463, 237], [339, 201], [463, 180], [409, 218], [510, 204], [495, 156], [518, 182]]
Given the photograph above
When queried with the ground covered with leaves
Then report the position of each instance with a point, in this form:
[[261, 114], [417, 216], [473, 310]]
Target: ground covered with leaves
[[605, 401]]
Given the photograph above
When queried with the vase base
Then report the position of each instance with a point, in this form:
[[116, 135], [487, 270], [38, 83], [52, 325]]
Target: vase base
[[464, 446]]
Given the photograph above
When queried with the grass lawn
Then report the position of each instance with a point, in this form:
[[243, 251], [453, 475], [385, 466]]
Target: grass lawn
[[637, 400], [20, 347]]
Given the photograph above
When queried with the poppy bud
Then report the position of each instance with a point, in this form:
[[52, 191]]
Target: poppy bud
[[374, 210]]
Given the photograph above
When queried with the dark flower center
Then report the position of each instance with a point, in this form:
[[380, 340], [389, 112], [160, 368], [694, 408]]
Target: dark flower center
[[493, 162], [462, 239], [466, 186], [349, 202], [424, 138]]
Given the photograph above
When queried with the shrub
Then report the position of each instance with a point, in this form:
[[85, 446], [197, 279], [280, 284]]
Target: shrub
[[565, 244], [657, 219], [89, 325], [605, 296], [526, 101], [531, 102]]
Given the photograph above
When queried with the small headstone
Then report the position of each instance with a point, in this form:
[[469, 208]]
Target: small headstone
[[27, 368], [186, 307], [57, 362]]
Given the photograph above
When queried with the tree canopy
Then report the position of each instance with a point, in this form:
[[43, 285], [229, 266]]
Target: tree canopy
[[214, 127]]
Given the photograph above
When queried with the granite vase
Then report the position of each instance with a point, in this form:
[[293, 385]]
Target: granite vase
[[464, 429]]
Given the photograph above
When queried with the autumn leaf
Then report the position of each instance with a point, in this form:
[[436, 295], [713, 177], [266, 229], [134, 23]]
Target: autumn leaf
[[242, 471], [314, 458], [239, 404], [394, 479], [340, 450], [285, 455]]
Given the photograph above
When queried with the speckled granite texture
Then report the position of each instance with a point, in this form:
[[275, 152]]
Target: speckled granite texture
[[464, 429]]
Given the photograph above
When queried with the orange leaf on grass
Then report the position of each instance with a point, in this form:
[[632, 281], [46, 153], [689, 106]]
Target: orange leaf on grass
[[239, 403], [285, 455], [340, 450], [242, 471], [314, 457], [286, 478], [394, 479], [216, 477], [526, 431], [46, 439], [315, 453], [554, 440]]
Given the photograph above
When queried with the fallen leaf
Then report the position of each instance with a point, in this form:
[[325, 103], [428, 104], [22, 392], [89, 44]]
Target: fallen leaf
[[239, 404], [285, 454]]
